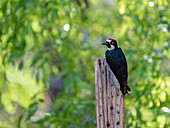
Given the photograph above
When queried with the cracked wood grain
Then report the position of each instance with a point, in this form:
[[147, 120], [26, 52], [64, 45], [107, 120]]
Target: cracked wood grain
[[109, 99]]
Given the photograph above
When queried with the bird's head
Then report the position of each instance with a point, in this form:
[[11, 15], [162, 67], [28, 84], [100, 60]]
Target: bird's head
[[111, 43]]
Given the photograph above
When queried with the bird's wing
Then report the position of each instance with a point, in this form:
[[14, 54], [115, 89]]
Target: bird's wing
[[123, 64], [118, 64]]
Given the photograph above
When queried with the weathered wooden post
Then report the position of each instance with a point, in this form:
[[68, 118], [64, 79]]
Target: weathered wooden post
[[109, 99]]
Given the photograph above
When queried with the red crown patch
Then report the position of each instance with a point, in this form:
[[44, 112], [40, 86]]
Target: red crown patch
[[112, 39]]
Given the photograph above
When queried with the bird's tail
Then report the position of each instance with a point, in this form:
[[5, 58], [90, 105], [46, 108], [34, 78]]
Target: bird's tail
[[128, 89], [125, 88]]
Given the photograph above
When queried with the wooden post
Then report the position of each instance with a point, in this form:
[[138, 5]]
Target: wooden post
[[109, 99]]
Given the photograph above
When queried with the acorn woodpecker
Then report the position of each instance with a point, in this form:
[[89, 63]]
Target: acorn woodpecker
[[117, 63]]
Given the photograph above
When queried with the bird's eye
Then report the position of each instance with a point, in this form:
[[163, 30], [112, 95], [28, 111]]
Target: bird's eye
[[111, 43]]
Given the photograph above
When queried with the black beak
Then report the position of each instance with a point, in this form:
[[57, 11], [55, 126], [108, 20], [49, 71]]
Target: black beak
[[104, 43], [107, 44]]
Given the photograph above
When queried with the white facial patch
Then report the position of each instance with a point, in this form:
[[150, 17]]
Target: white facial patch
[[108, 41], [112, 47]]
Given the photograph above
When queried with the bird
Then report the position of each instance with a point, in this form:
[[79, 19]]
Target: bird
[[117, 63]]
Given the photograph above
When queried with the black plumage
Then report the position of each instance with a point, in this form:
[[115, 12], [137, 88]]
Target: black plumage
[[117, 63]]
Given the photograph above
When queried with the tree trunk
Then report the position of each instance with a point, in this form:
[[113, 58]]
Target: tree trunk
[[109, 98]]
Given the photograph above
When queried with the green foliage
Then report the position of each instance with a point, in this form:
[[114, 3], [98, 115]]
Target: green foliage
[[41, 38]]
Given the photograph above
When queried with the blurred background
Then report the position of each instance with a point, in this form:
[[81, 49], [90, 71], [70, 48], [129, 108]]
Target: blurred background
[[47, 52]]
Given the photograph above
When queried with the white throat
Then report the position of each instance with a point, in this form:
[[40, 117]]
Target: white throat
[[112, 47]]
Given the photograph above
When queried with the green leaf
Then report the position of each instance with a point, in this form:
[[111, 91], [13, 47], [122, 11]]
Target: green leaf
[[21, 65]]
